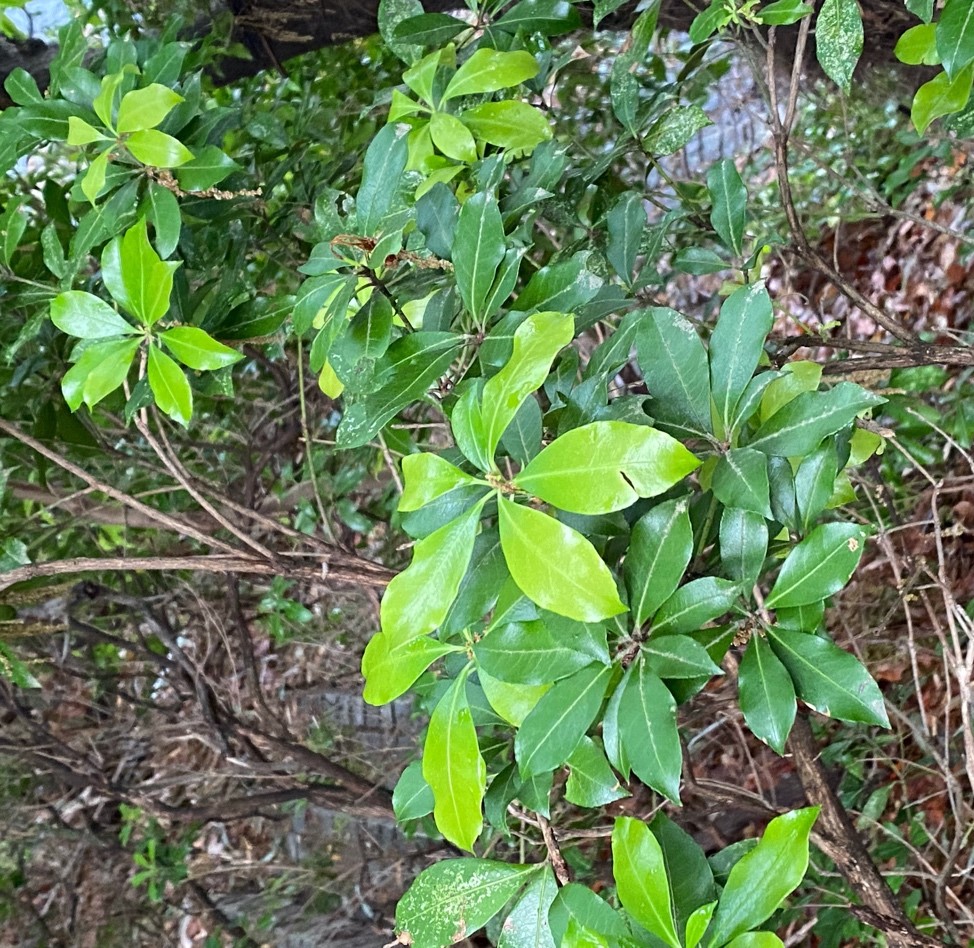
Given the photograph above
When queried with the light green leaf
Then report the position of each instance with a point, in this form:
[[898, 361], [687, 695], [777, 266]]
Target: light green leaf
[[81, 133], [697, 924], [509, 124], [478, 249], [427, 476], [839, 40], [94, 180], [145, 108], [674, 129], [198, 349], [955, 36], [390, 669], [527, 924], [536, 343], [456, 897], [152, 147], [488, 70], [591, 782], [512, 702], [606, 466], [418, 599], [695, 604], [736, 346], [784, 12], [941, 96], [575, 583], [558, 722], [452, 137], [648, 733], [741, 480], [137, 278], [641, 881], [801, 425], [13, 223], [829, 679], [674, 365], [795, 378], [412, 797], [819, 566], [659, 551], [104, 102], [169, 387], [767, 695], [918, 46], [80, 314], [757, 940], [100, 370], [728, 199], [764, 877], [453, 767], [709, 20]]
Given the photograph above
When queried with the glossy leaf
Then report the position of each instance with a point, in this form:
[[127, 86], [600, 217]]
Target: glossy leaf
[[489, 70], [198, 349], [452, 137], [427, 476], [478, 249], [736, 346], [839, 40], [391, 668], [576, 583], [690, 877], [695, 604], [764, 878], [591, 782], [510, 124], [100, 369], [941, 96], [728, 199], [743, 545], [145, 108], [87, 317], [578, 906], [152, 147], [829, 679], [455, 898], [81, 133], [429, 29], [625, 223], [659, 552], [767, 695], [641, 880], [606, 466], [678, 656], [526, 926], [550, 17], [208, 168], [757, 940], [740, 480], [137, 278], [819, 566], [164, 215], [815, 483], [784, 12], [512, 702], [556, 726], [169, 387], [418, 599], [955, 36], [382, 171], [453, 767], [412, 797], [648, 733]]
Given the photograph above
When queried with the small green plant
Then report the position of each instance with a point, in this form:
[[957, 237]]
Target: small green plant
[[160, 863]]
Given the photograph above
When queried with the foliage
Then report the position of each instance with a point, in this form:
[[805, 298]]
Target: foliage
[[585, 554]]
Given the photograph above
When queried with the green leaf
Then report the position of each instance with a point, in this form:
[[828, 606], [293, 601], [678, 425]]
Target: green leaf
[[708, 21], [563, 286], [757, 940], [603, 8], [453, 767], [697, 924], [795, 378], [784, 12], [736, 346], [452, 137], [625, 223], [87, 317], [512, 702], [767, 695], [391, 668], [659, 552], [647, 731], [678, 656], [955, 36], [828, 679], [921, 8], [576, 583], [81, 133], [839, 40], [522, 438], [198, 349], [390, 14], [455, 898], [145, 108], [509, 124], [689, 874], [489, 70], [695, 604], [478, 249], [210, 166], [918, 46], [94, 180], [801, 425], [22, 88], [538, 651], [743, 545], [591, 782], [418, 599], [139, 281], [674, 129], [382, 171], [163, 214], [728, 199], [764, 877], [550, 17], [641, 881], [606, 466], [741, 480], [556, 726], [579, 905], [941, 96], [152, 147], [526, 926], [674, 365], [13, 223], [536, 343], [815, 483], [429, 29], [100, 370], [426, 477], [169, 387], [819, 566], [412, 797]]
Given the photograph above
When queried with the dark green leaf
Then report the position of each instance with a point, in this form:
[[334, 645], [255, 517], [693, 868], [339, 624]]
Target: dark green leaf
[[767, 695], [741, 480], [207, 168], [412, 798], [690, 877], [678, 656], [382, 171], [743, 545], [695, 604], [955, 36], [625, 223], [839, 40], [526, 926], [819, 566], [429, 29], [591, 782], [728, 199]]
